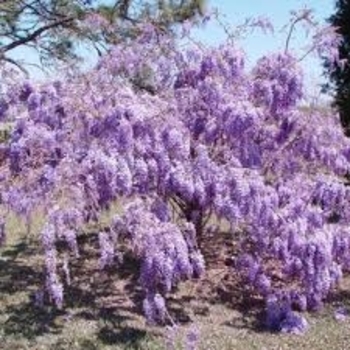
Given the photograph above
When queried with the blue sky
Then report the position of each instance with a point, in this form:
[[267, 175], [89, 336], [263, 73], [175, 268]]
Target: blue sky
[[257, 44], [278, 11]]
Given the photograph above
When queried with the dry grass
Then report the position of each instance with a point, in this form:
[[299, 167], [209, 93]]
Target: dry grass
[[102, 309]]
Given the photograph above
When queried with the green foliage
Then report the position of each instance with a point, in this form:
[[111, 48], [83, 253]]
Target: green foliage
[[54, 28], [340, 77]]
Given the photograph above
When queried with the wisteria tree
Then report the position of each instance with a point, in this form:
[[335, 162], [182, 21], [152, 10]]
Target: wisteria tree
[[211, 140]]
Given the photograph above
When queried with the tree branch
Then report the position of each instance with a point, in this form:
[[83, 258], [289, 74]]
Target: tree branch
[[16, 64], [34, 35]]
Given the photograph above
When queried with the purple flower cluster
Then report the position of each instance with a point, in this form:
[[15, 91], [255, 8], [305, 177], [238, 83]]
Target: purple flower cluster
[[107, 250], [280, 317], [166, 256], [53, 285]]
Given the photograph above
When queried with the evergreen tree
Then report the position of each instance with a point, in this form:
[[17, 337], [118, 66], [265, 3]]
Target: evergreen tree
[[54, 28], [340, 76]]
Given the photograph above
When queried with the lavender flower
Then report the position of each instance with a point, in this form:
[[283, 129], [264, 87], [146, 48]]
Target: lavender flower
[[39, 298], [154, 308], [294, 324], [341, 314], [107, 250]]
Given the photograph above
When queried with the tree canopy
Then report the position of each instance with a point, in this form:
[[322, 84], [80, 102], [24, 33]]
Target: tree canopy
[[54, 27], [340, 76]]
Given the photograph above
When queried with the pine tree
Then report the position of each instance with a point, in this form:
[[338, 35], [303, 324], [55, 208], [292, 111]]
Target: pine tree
[[54, 28], [340, 76]]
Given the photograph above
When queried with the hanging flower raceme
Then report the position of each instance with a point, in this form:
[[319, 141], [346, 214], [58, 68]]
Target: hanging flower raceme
[[177, 137]]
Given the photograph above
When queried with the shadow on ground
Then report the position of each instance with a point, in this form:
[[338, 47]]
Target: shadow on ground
[[106, 299], [111, 301], [18, 281]]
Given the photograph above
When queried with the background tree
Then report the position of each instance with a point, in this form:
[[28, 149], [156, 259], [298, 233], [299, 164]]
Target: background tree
[[55, 28], [340, 76]]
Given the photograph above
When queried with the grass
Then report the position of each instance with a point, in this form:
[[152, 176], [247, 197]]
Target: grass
[[103, 309]]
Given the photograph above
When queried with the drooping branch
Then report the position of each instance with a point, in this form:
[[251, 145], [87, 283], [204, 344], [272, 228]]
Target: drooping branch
[[36, 34], [16, 64]]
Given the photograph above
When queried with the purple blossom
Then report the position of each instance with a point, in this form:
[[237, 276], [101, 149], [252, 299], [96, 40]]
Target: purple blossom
[[161, 210], [56, 292], [3, 108], [263, 23], [71, 238], [294, 324], [154, 308], [39, 296], [280, 317], [299, 300], [263, 284], [107, 250], [341, 314], [248, 266], [198, 263]]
